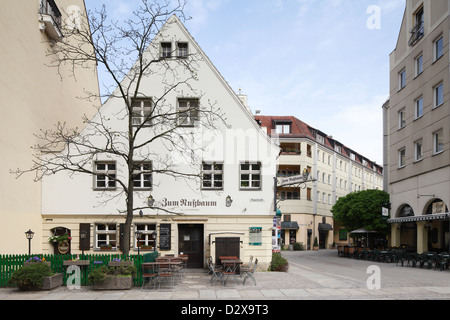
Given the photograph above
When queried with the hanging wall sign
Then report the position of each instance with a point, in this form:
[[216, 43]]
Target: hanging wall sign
[[63, 247]]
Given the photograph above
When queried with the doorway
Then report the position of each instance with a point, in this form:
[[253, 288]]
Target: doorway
[[227, 247], [190, 242]]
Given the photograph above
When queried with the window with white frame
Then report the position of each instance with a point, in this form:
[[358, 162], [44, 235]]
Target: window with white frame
[[419, 65], [283, 128], [401, 158], [212, 175], [250, 175], [438, 95], [105, 175], [183, 49], [147, 239], [141, 112], [419, 107], [438, 48], [418, 150], [438, 142], [402, 79], [188, 112], [402, 118], [142, 175], [105, 235], [166, 49], [320, 139]]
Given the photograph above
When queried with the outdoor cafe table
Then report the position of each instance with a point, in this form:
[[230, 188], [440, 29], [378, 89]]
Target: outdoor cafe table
[[230, 265], [172, 264]]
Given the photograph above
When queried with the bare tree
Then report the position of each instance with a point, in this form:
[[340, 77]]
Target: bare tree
[[124, 51]]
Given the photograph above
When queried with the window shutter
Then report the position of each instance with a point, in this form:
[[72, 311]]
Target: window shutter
[[121, 235], [85, 244]]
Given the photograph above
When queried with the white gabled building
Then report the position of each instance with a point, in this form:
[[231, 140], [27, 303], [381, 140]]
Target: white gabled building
[[228, 212]]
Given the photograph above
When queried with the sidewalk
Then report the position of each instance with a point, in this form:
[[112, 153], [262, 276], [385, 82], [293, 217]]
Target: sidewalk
[[299, 283]]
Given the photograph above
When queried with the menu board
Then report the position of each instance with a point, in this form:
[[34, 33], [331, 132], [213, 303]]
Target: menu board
[[164, 236]]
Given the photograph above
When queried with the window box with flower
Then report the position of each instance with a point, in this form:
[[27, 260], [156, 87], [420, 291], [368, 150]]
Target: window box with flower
[[106, 247], [59, 239]]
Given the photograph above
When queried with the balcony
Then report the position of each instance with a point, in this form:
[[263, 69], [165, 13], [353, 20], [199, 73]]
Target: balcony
[[416, 34], [290, 148], [50, 19]]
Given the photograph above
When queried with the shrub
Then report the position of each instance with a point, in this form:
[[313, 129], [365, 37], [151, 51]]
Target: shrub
[[100, 274], [298, 246], [30, 277], [278, 263]]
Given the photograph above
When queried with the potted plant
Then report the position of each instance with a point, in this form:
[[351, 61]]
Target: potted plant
[[113, 278], [59, 239], [36, 274], [315, 245]]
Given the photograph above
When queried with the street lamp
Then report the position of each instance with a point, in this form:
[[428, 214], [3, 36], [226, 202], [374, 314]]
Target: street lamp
[[305, 175], [29, 235], [228, 201], [150, 201], [138, 234]]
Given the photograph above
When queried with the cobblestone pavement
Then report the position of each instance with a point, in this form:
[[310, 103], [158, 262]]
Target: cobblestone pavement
[[312, 275]]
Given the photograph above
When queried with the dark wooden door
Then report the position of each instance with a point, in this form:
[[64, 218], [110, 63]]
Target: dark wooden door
[[190, 242], [227, 247]]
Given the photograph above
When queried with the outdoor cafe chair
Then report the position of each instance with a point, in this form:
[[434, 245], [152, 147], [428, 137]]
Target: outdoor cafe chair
[[216, 272], [247, 267], [426, 258], [165, 273], [229, 270], [251, 273], [400, 257], [440, 261], [149, 272]]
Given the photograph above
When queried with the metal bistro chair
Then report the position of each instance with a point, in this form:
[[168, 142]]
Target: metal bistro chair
[[216, 271], [149, 273], [250, 273], [247, 267], [165, 272], [229, 270]]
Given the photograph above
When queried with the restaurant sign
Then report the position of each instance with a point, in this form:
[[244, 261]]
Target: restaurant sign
[[285, 181], [194, 203]]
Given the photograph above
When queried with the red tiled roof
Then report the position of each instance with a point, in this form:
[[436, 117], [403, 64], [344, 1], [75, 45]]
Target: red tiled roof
[[299, 129]]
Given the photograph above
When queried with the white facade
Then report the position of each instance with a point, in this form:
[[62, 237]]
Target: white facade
[[240, 148]]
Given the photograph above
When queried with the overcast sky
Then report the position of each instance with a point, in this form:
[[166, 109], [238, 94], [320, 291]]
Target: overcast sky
[[325, 62]]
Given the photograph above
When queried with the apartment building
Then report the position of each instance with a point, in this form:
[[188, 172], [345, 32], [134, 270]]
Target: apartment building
[[417, 128], [34, 97], [227, 211], [337, 170]]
